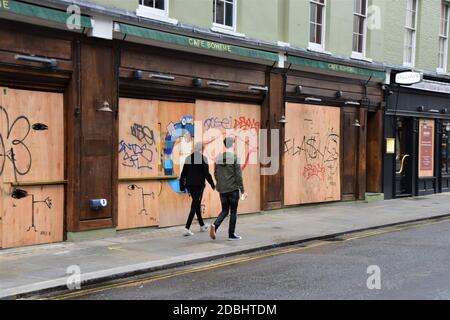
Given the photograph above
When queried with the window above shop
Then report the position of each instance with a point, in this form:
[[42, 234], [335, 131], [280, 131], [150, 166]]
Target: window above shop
[[409, 50], [443, 39], [359, 29], [155, 9], [317, 25], [224, 17]]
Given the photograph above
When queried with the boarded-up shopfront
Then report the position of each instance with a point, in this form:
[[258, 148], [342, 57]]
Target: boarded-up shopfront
[[333, 135], [168, 101], [33, 129]]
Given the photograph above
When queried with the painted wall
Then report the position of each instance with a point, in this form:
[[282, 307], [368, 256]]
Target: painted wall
[[385, 40], [288, 21], [129, 5], [428, 34], [194, 12], [339, 27]]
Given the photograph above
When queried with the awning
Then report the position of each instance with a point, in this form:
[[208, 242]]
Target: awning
[[34, 11], [194, 43], [337, 68]]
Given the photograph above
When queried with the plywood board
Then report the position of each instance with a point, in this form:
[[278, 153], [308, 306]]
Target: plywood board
[[218, 120], [174, 207], [35, 219], [426, 148], [139, 204], [33, 130], [312, 154], [31, 150], [138, 138]]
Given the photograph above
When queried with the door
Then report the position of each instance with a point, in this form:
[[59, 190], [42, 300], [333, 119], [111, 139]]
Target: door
[[404, 158]]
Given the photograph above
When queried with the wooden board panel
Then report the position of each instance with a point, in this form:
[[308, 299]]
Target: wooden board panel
[[35, 219], [3, 191], [174, 207], [218, 120], [138, 138], [31, 150], [39, 154], [312, 154], [138, 204]]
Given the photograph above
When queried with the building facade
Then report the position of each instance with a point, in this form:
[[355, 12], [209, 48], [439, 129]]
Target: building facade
[[102, 100]]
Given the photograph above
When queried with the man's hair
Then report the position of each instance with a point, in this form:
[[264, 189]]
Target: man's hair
[[228, 142]]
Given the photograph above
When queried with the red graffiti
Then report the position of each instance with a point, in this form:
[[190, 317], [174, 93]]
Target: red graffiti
[[245, 123], [314, 170]]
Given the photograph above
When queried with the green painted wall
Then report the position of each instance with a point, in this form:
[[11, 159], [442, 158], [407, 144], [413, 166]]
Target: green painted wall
[[428, 34], [258, 19], [298, 22], [386, 43], [194, 12], [129, 5], [339, 27], [288, 21]]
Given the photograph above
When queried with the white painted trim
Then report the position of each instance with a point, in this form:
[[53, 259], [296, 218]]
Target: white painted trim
[[445, 66], [414, 42], [218, 28], [224, 26], [360, 56], [317, 48], [156, 14], [312, 45]]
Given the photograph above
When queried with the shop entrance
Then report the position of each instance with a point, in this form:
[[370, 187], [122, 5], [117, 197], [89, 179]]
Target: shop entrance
[[404, 158]]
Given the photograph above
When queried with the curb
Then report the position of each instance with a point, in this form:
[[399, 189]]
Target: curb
[[99, 277]]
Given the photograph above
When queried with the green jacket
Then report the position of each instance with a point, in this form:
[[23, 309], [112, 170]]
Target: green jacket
[[228, 173]]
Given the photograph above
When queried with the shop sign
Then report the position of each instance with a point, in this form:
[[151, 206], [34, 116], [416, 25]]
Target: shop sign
[[408, 78], [426, 148], [4, 4]]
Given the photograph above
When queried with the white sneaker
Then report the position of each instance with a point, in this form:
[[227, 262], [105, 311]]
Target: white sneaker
[[234, 237], [187, 233], [204, 228]]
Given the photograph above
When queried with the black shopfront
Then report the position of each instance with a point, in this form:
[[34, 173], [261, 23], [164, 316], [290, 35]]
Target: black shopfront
[[416, 151]]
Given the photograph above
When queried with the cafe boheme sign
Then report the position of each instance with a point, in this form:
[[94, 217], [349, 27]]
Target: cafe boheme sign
[[426, 148], [210, 45], [4, 4]]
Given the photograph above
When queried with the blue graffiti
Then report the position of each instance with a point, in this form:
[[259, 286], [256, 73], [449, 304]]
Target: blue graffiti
[[136, 156]]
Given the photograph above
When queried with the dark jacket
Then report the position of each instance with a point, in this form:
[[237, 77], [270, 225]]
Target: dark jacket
[[228, 173], [195, 172]]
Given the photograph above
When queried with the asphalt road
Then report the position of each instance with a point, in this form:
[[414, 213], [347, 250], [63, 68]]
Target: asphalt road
[[414, 264]]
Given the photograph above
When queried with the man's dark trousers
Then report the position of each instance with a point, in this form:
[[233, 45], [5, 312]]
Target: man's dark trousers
[[196, 206], [229, 203]]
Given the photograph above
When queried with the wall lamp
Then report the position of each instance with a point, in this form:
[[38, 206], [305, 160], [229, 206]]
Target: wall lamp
[[164, 77], [339, 94], [257, 88], [50, 63], [105, 107], [444, 110], [218, 84], [138, 74], [421, 109], [282, 120], [298, 89], [352, 103], [197, 82], [356, 124], [312, 99]]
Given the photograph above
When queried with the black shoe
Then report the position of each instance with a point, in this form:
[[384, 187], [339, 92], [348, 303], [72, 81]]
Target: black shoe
[[234, 237]]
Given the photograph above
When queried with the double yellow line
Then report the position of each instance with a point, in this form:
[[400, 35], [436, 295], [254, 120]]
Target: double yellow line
[[218, 265]]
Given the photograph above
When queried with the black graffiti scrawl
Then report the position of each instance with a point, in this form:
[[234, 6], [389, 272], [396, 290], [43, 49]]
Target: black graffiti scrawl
[[13, 149]]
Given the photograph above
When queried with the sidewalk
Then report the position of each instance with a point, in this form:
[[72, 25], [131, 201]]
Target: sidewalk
[[33, 269]]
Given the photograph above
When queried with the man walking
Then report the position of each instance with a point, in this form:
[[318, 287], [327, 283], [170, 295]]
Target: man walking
[[195, 172], [228, 174]]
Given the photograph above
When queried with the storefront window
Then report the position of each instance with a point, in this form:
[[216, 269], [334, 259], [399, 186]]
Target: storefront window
[[445, 148]]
